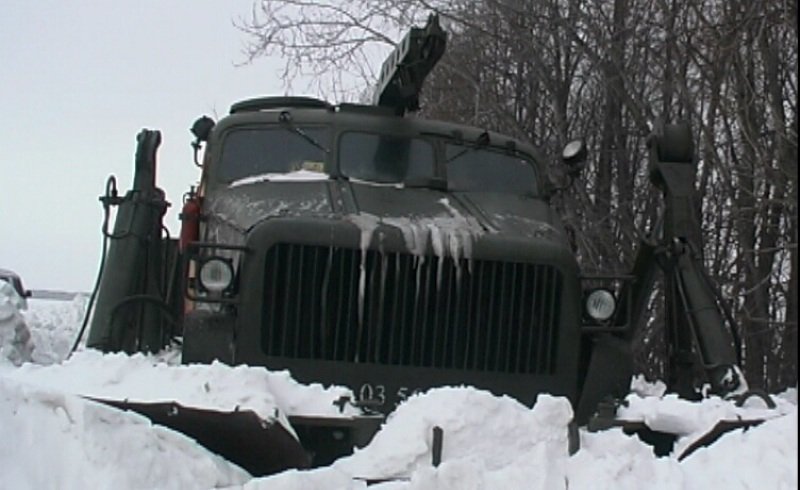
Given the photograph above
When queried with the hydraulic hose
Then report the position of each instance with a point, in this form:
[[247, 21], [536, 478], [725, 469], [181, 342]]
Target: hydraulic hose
[[111, 197]]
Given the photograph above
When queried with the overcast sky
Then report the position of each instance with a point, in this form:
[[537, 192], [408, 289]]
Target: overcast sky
[[78, 80]]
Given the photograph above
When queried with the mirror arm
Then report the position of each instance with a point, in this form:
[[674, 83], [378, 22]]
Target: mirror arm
[[551, 189], [197, 145]]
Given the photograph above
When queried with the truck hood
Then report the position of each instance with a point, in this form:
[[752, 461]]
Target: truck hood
[[423, 215]]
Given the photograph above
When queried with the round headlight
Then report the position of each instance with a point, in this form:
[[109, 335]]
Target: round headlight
[[600, 305], [216, 275]]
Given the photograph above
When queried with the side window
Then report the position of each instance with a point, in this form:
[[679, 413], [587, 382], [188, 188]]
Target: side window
[[250, 152]]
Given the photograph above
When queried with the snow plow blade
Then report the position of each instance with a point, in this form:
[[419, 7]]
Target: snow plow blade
[[663, 442], [721, 428], [259, 446]]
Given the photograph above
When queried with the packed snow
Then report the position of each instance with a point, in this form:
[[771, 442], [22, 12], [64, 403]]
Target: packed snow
[[54, 437], [296, 176]]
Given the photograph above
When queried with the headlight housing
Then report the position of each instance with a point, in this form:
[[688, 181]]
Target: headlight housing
[[216, 275], [600, 305]]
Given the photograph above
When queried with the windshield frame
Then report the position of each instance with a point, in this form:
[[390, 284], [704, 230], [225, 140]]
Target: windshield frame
[[337, 125]]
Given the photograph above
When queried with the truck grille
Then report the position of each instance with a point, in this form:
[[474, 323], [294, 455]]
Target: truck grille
[[397, 309]]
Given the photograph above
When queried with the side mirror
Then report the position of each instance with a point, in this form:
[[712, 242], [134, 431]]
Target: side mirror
[[202, 127], [573, 155]]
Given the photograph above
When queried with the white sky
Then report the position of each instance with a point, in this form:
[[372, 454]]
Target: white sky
[[78, 80]]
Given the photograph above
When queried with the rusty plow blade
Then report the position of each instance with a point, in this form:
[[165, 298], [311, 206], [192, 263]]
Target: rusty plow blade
[[720, 429], [259, 446]]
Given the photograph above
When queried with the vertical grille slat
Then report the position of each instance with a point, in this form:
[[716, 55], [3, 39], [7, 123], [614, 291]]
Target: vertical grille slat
[[469, 358], [351, 305], [491, 330], [533, 320], [286, 306], [270, 300], [554, 317], [449, 339], [379, 351], [324, 314], [459, 334], [404, 323], [412, 311], [426, 296], [310, 320], [541, 316], [480, 337], [298, 304], [338, 305], [437, 333], [512, 303], [523, 309]]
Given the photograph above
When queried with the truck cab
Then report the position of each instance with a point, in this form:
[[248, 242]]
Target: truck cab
[[390, 254]]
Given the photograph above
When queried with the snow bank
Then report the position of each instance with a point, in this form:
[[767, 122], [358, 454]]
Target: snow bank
[[139, 378], [54, 326], [15, 338], [691, 420], [762, 457], [45, 415], [489, 442], [495, 442], [51, 440], [476, 425]]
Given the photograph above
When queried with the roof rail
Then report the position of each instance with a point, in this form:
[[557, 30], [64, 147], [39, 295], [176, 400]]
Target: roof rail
[[264, 103]]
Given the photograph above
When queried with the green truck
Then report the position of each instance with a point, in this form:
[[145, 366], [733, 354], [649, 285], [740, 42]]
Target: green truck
[[358, 245]]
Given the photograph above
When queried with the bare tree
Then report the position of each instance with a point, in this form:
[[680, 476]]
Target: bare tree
[[548, 70]]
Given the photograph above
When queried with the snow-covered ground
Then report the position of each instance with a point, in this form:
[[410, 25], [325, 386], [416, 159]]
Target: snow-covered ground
[[50, 437]]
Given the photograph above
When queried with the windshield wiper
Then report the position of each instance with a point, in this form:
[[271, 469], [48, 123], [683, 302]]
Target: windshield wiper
[[285, 118], [480, 143]]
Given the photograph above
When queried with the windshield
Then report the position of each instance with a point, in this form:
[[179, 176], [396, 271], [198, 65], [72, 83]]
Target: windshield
[[488, 170], [385, 158], [258, 151]]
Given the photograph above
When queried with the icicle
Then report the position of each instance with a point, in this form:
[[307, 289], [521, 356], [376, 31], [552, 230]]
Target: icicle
[[419, 261], [457, 243], [451, 234], [436, 240], [420, 234], [367, 223]]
